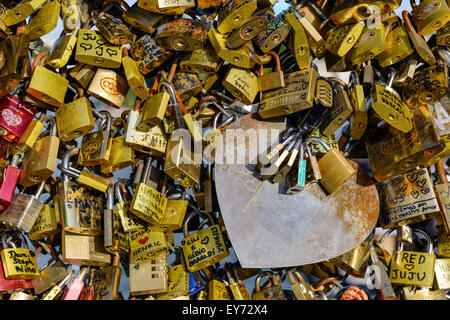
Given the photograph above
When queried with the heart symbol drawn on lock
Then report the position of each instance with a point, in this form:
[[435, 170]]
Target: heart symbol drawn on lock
[[412, 177], [409, 266], [143, 240], [415, 194], [10, 118], [421, 183], [205, 241], [425, 191]]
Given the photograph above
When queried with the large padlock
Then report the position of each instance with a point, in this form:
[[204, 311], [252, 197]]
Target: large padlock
[[412, 267], [22, 11], [93, 49], [39, 163], [148, 54], [24, 210], [430, 15], [149, 277], [18, 263], [182, 35], [205, 247]]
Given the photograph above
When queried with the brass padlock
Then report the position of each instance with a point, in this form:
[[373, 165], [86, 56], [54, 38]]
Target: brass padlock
[[272, 292], [109, 87], [18, 263], [231, 17], [217, 290], [342, 38], [147, 244], [166, 7], [411, 267], [345, 11], [121, 156], [302, 289], [39, 163], [22, 11], [142, 19], [61, 51], [135, 79], [237, 287], [129, 221], [149, 277], [74, 119], [242, 84], [398, 47], [182, 35], [297, 95], [83, 74], [115, 239], [148, 54], [44, 21], [87, 250], [246, 32], [370, 44], [186, 85], [430, 15], [112, 28], [274, 34], [96, 146], [273, 80], [47, 223], [298, 41], [200, 61], [93, 49]]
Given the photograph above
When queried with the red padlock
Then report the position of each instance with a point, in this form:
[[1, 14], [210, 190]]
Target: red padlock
[[15, 116], [10, 178]]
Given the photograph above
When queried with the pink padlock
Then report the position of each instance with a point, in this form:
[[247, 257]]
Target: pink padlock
[[10, 178], [73, 290]]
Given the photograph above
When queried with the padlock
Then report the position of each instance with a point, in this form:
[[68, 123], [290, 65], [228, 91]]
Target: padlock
[[61, 51], [142, 19], [154, 108], [198, 248], [186, 85], [129, 221], [315, 40], [22, 11], [298, 41], [14, 62], [146, 244], [240, 57], [148, 54], [74, 119], [428, 85], [273, 80], [74, 288], [443, 36], [15, 118], [47, 223], [106, 280], [356, 260], [341, 110], [39, 163], [334, 168], [152, 142], [84, 249], [242, 84], [93, 49], [46, 85], [237, 287], [411, 267], [401, 197], [302, 289], [108, 87], [398, 47], [81, 208], [29, 136], [218, 290], [182, 164], [370, 44], [233, 16], [50, 274], [272, 292], [148, 203], [345, 12], [360, 117], [83, 74], [115, 239], [297, 95], [341, 38], [121, 156], [165, 7], [44, 21], [175, 212], [9, 183], [135, 79], [441, 268], [112, 28], [439, 112], [96, 146], [247, 31], [200, 61], [275, 33], [429, 15], [389, 106], [57, 290], [18, 263], [178, 278], [150, 277], [182, 35]]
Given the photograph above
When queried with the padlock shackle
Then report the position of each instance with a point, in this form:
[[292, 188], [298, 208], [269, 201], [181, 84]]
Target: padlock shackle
[[317, 140], [195, 211], [170, 88], [268, 275], [110, 196], [173, 68], [65, 162], [108, 120], [229, 119], [118, 189], [391, 77], [50, 119], [146, 170], [38, 59], [406, 22], [427, 237], [275, 56], [11, 234]]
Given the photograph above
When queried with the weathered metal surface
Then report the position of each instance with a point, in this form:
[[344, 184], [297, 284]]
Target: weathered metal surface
[[269, 228]]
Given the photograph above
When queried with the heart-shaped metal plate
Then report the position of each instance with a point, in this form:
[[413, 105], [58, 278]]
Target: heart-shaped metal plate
[[269, 228]]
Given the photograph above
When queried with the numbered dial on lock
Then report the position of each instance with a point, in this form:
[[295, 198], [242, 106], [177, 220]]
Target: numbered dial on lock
[[269, 228]]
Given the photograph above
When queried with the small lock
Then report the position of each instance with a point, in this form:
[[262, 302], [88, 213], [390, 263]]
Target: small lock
[[242, 84], [154, 108], [197, 250], [231, 17], [237, 287], [135, 79], [149, 277], [130, 222], [142, 19], [200, 61], [398, 47], [108, 87], [302, 290], [22, 11], [411, 267], [246, 32], [44, 21], [39, 163], [182, 35], [18, 263], [273, 292], [334, 168], [115, 239], [273, 80], [274, 34], [96, 146], [147, 244], [112, 28], [298, 41], [148, 54], [29, 136]]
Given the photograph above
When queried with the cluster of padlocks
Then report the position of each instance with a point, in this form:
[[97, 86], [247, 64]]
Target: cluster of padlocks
[[109, 147]]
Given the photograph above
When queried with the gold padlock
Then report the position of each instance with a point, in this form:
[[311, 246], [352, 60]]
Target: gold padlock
[[121, 156], [108, 87], [200, 61], [44, 21], [242, 84], [430, 15], [231, 17], [182, 35]]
